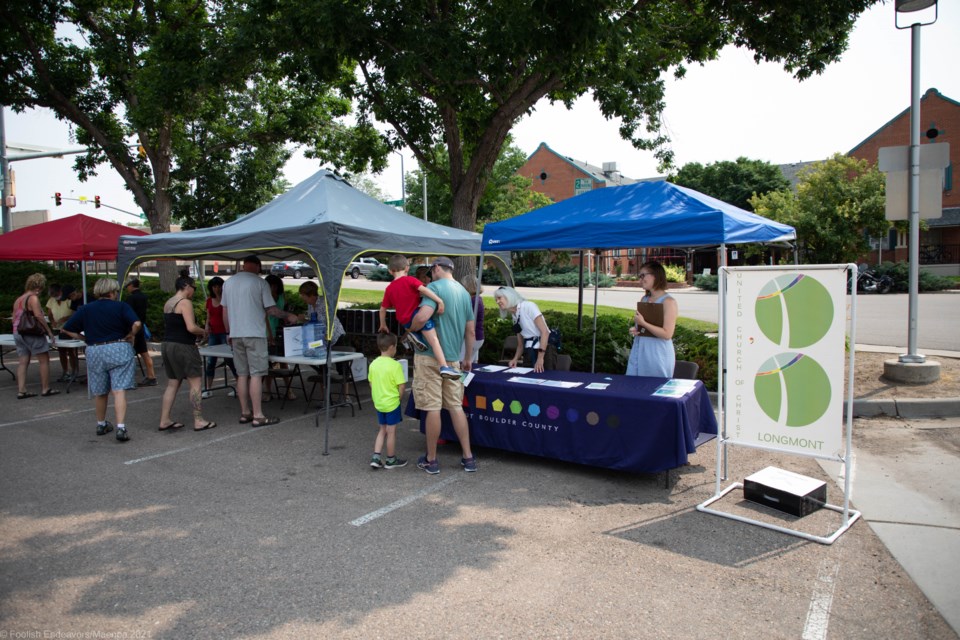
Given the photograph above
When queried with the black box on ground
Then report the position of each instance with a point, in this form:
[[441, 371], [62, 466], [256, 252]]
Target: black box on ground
[[785, 491]]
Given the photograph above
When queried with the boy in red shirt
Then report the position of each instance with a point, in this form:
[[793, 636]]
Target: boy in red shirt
[[403, 295]]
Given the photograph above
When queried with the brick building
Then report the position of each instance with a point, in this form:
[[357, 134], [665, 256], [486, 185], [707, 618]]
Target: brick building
[[560, 177], [940, 242]]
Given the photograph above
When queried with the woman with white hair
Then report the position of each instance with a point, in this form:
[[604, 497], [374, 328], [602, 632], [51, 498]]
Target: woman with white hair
[[108, 327], [529, 325]]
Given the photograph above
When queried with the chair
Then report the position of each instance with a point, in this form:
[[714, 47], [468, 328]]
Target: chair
[[288, 376], [564, 362], [686, 370], [509, 350]]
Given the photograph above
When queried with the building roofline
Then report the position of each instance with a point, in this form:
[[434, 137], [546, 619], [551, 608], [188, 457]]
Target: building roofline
[[927, 94]]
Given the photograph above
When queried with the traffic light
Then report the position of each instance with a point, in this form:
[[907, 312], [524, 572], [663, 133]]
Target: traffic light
[[96, 202], [57, 199]]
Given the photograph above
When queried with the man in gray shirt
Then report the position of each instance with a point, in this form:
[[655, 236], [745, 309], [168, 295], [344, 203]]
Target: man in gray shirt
[[245, 299]]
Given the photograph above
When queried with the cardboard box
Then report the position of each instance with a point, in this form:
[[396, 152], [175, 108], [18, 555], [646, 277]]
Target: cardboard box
[[785, 491], [292, 342], [358, 367]]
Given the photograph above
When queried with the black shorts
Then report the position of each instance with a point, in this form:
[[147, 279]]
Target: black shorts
[[140, 342]]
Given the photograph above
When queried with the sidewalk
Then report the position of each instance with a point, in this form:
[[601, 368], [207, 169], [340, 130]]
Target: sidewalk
[[907, 407], [905, 484]]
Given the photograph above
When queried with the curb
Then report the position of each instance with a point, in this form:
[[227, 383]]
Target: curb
[[902, 408]]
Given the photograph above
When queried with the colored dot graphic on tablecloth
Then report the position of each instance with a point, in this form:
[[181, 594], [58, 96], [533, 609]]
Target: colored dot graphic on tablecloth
[[516, 407], [553, 412], [573, 415], [533, 410], [480, 402], [498, 405], [613, 421], [593, 419]]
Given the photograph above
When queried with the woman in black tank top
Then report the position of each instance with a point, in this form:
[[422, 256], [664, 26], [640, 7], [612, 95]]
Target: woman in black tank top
[[181, 358]]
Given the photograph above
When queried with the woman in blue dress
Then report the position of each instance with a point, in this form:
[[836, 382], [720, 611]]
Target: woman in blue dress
[[652, 354]]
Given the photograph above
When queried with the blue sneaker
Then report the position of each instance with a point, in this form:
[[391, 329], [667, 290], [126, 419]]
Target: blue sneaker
[[431, 467], [469, 464], [414, 338], [376, 462], [449, 373]]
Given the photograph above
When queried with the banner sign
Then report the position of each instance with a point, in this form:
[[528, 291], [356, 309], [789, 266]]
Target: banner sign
[[784, 347]]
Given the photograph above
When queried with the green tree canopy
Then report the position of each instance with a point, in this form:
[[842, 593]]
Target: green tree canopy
[[211, 104], [838, 204], [459, 75], [506, 194], [733, 182]]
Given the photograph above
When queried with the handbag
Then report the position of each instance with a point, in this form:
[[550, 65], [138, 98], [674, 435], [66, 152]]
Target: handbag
[[28, 325]]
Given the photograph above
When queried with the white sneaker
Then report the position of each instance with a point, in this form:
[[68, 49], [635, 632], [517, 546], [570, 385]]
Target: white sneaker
[[206, 394], [232, 393]]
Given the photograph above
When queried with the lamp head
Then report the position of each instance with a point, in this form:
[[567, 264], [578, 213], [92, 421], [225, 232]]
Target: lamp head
[[909, 6], [905, 7]]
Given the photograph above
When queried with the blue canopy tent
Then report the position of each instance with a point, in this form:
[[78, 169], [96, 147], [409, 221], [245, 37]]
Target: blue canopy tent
[[643, 214]]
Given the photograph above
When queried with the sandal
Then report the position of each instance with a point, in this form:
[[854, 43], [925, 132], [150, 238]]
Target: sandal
[[22, 395], [172, 426], [267, 398], [264, 421], [291, 395], [244, 419], [50, 392], [209, 425]]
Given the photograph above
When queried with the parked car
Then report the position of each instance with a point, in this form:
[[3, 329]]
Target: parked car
[[364, 266], [294, 269]]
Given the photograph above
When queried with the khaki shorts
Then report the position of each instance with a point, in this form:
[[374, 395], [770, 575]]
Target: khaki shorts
[[250, 356], [432, 392]]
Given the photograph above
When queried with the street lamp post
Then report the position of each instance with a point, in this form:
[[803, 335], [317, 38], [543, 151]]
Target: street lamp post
[[403, 182], [905, 7]]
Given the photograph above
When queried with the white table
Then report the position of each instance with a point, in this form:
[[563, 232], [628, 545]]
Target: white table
[[8, 343], [336, 357]]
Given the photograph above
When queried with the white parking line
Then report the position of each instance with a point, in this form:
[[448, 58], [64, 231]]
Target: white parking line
[[818, 615], [402, 502], [56, 414], [210, 442]]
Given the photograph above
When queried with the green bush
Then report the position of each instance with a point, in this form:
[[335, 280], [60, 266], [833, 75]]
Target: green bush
[[552, 276], [900, 272], [705, 282], [675, 273]]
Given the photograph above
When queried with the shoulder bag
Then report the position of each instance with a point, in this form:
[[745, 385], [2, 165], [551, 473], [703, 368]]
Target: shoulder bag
[[29, 325]]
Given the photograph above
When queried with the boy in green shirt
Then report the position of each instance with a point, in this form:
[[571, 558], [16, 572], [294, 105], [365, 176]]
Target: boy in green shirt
[[386, 386]]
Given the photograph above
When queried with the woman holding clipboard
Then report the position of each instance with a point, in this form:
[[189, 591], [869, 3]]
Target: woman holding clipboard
[[652, 354]]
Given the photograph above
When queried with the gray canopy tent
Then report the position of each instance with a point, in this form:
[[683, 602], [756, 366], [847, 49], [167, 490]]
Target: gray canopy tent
[[322, 220]]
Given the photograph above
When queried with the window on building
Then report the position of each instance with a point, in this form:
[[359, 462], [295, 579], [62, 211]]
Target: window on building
[[948, 178]]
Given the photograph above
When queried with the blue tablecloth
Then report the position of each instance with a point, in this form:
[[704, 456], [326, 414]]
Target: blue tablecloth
[[621, 427]]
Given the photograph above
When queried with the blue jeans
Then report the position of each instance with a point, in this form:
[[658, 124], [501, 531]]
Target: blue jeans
[[213, 339]]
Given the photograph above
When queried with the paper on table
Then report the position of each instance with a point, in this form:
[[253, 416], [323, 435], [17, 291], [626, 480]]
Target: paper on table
[[671, 392], [526, 380], [520, 370], [563, 384], [597, 385], [492, 368]]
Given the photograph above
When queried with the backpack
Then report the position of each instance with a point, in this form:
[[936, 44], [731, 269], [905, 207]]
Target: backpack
[[555, 339]]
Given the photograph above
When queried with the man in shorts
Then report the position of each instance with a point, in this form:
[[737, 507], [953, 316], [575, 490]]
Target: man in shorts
[[455, 328], [246, 296]]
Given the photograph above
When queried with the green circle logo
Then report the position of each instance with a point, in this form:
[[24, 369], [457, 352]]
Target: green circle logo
[[794, 311], [792, 389]]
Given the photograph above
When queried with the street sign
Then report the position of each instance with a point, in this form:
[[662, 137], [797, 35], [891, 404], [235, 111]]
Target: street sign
[[582, 185], [394, 203], [895, 162]]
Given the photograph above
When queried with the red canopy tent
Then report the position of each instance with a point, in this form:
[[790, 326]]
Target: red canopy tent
[[78, 237]]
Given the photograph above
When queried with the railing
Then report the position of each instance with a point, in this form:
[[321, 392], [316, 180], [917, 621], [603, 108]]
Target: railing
[[939, 253]]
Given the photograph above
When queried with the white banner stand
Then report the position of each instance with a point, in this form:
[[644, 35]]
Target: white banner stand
[[781, 318]]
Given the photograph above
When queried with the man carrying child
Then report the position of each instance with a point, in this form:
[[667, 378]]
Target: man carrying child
[[403, 294]]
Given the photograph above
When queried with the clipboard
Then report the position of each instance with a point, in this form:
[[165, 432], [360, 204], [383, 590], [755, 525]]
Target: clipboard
[[652, 313]]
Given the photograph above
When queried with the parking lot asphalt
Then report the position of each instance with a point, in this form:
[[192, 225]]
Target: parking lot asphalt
[[254, 533]]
